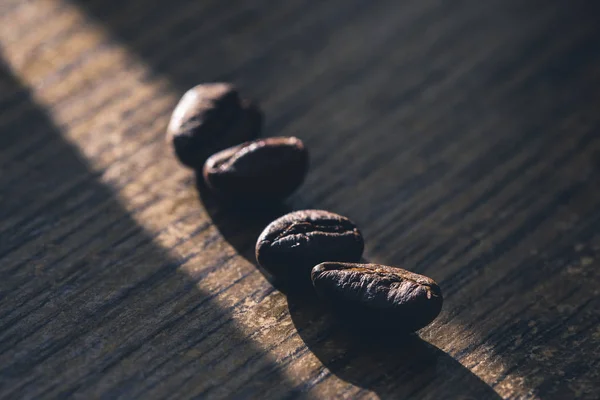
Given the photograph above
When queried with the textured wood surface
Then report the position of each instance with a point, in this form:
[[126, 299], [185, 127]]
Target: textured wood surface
[[461, 136]]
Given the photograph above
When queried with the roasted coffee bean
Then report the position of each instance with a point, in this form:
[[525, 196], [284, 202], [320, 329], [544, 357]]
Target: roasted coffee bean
[[290, 246], [209, 118], [373, 296], [262, 171]]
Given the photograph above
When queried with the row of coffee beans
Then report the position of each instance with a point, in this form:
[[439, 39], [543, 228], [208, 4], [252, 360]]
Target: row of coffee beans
[[214, 130], [327, 247]]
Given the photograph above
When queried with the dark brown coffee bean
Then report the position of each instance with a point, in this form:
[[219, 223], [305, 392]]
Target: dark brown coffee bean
[[373, 296], [265, 170], [290, 246], [209, 118]]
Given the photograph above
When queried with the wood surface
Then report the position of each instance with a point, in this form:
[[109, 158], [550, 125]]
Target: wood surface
[[461, 136]]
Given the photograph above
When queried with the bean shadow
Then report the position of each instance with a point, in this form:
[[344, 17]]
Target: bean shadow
[[89, 304], [390, 366], [240, 226]]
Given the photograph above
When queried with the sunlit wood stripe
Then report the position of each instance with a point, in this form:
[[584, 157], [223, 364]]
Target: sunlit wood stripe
[[71, 108], [37, 156]]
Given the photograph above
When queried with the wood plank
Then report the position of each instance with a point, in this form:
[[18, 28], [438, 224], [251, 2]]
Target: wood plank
[[462, 137]]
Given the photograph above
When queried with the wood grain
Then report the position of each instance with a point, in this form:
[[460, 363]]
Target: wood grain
[[462, 137]]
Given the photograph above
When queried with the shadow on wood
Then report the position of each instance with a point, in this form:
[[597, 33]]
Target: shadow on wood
[[90, 305], [392, 367]]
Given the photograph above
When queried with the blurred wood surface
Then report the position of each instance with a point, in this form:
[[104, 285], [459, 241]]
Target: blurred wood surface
[[461, 136]]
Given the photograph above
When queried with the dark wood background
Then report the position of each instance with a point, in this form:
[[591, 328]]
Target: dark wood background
[[461, 136]]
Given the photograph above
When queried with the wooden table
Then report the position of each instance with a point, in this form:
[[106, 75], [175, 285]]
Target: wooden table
[[461, 136]]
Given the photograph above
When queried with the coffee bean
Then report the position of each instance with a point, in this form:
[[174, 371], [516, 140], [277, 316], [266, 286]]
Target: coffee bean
[[209, 118], [262, 171], [373, 296], [290, 246]]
